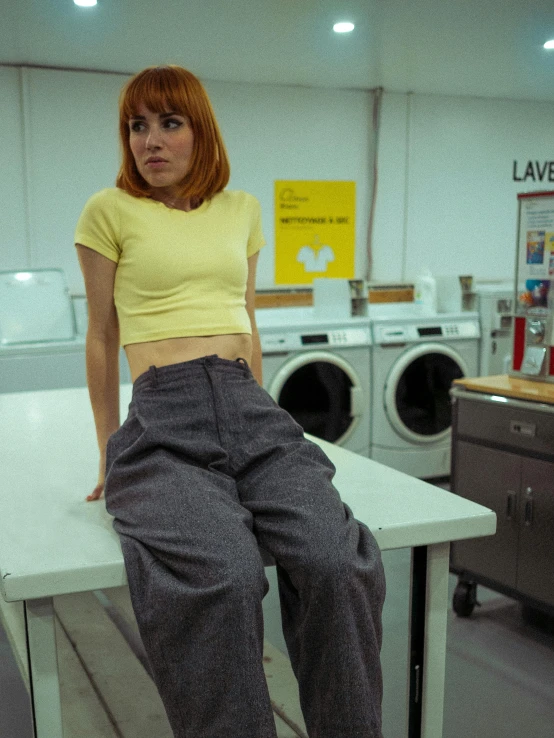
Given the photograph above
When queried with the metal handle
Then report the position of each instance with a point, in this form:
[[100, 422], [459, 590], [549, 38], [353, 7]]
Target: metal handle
[[528, 515], [510, 505]]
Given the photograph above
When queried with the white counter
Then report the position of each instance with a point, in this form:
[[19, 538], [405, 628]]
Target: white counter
[[53, 542]]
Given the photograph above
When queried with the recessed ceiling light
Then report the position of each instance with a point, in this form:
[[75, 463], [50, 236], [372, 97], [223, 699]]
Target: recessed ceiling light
[[85, 3], [549, 44], [343, 27]]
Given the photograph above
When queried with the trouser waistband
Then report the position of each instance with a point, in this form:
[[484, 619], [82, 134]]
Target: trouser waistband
[[157, 375]]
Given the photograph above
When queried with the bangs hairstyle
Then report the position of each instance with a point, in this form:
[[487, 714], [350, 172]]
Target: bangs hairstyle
[[172, 88]]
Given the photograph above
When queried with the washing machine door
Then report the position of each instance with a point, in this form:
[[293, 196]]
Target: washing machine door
[[322, 392], [417, 399]]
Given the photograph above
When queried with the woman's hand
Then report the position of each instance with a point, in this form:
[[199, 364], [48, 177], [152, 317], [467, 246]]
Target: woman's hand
[[98, 491]]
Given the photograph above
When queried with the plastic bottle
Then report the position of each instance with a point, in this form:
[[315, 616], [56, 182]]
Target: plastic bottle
[[425, 293]]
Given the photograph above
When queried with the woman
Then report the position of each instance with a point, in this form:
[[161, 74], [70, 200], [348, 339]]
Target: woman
[[206, 465]]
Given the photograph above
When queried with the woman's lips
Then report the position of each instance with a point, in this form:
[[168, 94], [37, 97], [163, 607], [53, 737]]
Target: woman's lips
[[155, 163]]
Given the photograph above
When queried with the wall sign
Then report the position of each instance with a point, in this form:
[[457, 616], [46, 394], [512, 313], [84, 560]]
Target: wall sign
[[314, 230], [535, 258], [534, 171]]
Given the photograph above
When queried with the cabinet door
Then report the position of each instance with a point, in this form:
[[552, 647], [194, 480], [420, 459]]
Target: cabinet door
[[491, 478], [535, 574]]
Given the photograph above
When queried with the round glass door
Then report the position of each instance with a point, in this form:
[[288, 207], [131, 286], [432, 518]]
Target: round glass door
[[319, 391], [417, 395]]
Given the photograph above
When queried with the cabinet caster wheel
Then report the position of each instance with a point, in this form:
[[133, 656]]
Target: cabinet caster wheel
[[465, 598]]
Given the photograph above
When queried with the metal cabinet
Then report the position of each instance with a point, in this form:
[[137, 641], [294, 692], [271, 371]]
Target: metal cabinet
[[503, 458], [535, 568]]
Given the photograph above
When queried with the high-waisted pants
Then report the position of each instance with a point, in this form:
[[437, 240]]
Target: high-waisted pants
[[206, 467]]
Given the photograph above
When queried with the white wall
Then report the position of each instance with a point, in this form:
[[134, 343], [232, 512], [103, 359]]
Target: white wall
[[389, 220], [72, 151], [277, 132], [446, 199], [65, 148], [13, 209]]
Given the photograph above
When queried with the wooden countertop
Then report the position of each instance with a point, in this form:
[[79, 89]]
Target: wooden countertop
[[506, 386]]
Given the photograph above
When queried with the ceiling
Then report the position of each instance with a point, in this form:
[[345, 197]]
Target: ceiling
[[485, 48]]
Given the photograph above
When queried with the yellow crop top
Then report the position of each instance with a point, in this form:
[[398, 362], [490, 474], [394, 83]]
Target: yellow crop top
[[178, 273]]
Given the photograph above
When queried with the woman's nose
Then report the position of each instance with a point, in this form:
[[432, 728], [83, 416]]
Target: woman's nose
[[153, 140]]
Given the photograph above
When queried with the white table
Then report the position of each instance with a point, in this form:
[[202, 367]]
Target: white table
[[53, 542]]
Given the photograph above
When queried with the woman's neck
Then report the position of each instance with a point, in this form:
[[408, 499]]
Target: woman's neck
[[173, 201]]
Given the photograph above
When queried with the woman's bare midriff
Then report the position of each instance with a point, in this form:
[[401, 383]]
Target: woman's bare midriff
[[141, 356]]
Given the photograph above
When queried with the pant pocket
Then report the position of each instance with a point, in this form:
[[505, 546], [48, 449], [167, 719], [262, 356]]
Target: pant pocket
[[124, 438]]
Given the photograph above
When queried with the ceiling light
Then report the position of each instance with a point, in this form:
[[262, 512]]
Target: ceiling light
[[549, 44], [85, 3], [343, 27]]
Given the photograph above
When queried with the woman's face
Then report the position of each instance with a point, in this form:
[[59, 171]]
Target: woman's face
[[162, 146]]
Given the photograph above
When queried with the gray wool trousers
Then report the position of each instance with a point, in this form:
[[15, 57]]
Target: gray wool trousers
[[206, 467]]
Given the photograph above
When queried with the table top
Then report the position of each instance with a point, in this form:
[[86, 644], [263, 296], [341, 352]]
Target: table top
[[507, 386], [54, 542]]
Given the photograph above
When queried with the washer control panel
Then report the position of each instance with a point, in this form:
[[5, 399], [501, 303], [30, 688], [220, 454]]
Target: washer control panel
[[295, 341], [417, 333]]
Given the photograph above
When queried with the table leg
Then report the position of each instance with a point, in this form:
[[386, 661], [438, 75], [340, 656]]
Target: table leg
[[43, 668], [429, 599], [436, 610]]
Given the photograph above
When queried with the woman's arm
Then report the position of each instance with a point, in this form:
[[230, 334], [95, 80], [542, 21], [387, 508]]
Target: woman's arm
[[102, 350], [256, 362]]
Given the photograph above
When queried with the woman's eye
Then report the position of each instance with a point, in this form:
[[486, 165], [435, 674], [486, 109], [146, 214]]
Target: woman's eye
[[136, 126], [172, 123]]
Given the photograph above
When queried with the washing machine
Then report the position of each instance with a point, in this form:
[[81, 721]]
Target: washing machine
[[415, 360], [42, 333], [319, 371]]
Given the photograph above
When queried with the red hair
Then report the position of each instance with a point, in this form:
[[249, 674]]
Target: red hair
[[176, 89]]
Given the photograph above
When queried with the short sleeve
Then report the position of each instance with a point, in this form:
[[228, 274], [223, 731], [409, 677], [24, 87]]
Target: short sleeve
[[256, 237], [98, 225]]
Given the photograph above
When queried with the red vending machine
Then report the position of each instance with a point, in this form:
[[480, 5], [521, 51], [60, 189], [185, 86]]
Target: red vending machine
[[533, 324]]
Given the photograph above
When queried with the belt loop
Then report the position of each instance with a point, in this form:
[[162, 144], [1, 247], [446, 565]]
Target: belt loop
[[244, 364]]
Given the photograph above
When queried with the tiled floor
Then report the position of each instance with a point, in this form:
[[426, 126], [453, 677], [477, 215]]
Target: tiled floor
[[499, 673], [105, 691], [499, 681]]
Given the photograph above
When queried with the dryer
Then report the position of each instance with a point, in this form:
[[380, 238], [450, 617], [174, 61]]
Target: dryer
[[319, 371], [415, 360]]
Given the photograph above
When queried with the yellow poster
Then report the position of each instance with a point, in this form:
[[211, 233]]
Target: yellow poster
[[314, 230]]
